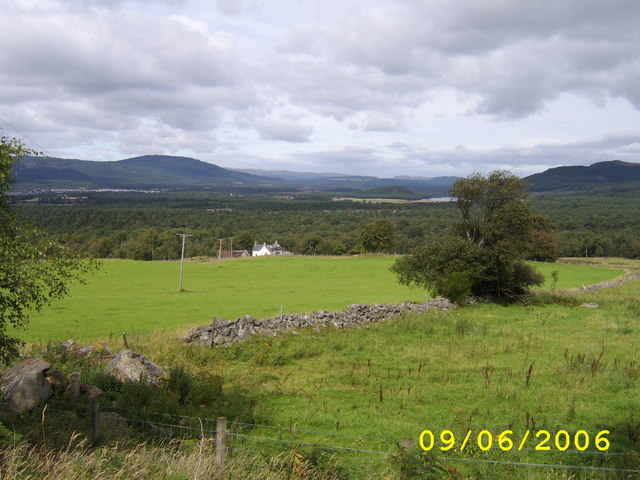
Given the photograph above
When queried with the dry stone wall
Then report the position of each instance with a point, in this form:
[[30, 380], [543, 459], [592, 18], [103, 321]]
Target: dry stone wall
[[601, 286], [223, 332]]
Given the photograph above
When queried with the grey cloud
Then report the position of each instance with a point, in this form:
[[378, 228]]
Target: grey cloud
[[376, 122], [613, 146], [361, 160], [110, 52], [342, 90], [104, 72], [515, 56], [119, 73], [284, 130]]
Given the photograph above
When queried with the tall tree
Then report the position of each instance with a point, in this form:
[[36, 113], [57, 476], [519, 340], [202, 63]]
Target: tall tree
[[33, 269], [379, 236], [489, 244], [244, 241]]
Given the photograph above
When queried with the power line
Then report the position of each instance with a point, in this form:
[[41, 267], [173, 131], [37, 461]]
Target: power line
[[27, 137]]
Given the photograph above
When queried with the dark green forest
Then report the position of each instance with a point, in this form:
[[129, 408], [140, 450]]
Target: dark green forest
[[144, 226]]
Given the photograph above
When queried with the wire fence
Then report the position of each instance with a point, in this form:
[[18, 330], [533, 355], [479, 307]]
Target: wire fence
[[253, 437]]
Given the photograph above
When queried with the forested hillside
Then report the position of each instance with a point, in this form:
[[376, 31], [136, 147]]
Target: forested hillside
[[143, 226], [613, 175]]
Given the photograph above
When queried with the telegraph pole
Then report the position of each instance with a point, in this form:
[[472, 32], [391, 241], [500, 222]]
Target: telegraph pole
[[231, 246], [184, 238], [220, 251]]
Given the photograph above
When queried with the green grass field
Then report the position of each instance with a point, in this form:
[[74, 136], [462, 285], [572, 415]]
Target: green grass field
[[139, 297], [547, 367], [485, 367]]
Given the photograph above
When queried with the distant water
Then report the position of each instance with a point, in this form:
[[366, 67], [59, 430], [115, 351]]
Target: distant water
[[438, 199]]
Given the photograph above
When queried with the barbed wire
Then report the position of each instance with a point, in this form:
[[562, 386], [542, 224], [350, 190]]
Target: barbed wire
[[257, 425], [317, 432], [213, 433], [308, 444]]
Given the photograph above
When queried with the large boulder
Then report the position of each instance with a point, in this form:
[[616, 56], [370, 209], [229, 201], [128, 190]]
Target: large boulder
[[128, 366], [25, 392], [24, 386], [25, 366]]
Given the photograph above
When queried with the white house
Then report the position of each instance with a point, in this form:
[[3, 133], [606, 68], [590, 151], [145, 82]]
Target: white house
[[264, 249]]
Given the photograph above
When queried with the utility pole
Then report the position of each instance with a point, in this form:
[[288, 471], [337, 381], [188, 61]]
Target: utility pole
[[220, 251], [231, 246], [184, 238]]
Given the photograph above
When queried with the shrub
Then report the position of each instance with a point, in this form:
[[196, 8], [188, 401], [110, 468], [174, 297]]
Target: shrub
[[180, 383], [456, 286]]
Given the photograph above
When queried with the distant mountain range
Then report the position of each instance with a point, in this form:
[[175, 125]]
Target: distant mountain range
[[180, 173], [149, 171], [170, 172], [612, 174]]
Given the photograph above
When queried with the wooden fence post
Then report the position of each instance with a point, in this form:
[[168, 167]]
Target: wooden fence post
[[407, 444], [221, 440], [124, 340], [94, 433]]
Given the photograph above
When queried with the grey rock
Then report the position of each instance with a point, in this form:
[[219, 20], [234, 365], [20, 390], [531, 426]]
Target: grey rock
[[72, 392], [24, 392], [26, 366], [353, 316], [111, 421], [133, 367]]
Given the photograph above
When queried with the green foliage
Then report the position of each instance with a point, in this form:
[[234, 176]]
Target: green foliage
[[427, 265], [417, 465], [543, 244], [5, 433], [33, 269], [106, 225], [180, 383], [554, 279], [244, 241], [456, 286], [492, 241], [379, 236]]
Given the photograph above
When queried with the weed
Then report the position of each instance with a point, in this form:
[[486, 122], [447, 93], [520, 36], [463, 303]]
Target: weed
[[409, 465], [180, 383]]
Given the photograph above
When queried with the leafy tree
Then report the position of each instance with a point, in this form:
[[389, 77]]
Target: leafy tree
[[244, 241], [310, 245], [543, 244], [488, 245], [379, 236], [33, 269]]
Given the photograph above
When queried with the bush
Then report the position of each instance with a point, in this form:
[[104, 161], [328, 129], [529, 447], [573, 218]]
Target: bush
[[456, 287], [495, 272], [180, 383]]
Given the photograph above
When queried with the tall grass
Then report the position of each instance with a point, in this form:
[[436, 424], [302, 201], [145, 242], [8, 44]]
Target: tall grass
[[177, 460]]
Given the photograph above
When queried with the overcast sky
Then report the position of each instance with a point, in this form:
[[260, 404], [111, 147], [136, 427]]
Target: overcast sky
[[375, 87]]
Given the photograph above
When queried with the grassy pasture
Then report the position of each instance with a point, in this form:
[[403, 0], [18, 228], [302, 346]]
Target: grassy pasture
[[550, 366], [139, 297], [547, 367]]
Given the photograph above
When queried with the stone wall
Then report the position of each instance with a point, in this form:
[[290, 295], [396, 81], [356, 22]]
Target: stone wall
[[222, 332], [601, 286]]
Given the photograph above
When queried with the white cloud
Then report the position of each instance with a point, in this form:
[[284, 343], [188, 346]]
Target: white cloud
[[328, 85]]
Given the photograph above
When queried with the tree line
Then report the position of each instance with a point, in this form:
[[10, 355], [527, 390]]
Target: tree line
[[144, 226]]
